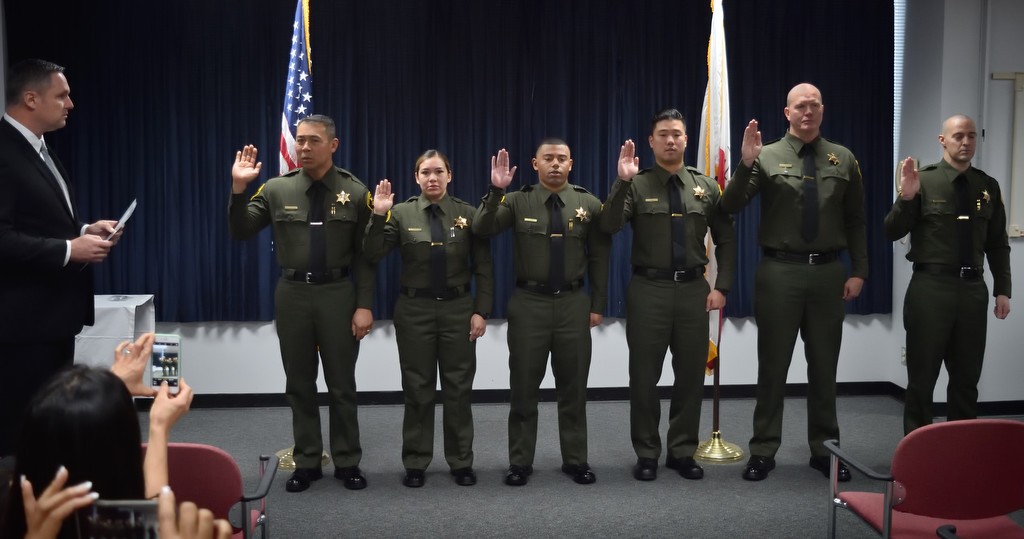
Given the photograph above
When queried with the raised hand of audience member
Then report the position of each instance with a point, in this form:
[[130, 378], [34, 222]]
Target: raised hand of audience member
[[130, 363]]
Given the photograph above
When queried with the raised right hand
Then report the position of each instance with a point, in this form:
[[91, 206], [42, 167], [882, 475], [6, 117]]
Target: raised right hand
[[383, 198], [629, 163], [246, 168], [89, 249], [501, 176], [910, 179], [751, 143]]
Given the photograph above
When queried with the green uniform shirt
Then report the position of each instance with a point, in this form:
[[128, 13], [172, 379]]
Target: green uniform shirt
[[644, 202], [931, 220], [283, 203], [408, 226], [587, 248], [777, 175]]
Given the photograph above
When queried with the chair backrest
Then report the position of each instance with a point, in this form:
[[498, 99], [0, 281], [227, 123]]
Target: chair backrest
[[205, 475], [961, 469]]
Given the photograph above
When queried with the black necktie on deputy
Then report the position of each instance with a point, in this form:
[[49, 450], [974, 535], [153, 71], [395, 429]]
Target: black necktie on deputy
[[809, 221], [678, 216], [556, 270], [438, 269], [317, 229], [965, 235]]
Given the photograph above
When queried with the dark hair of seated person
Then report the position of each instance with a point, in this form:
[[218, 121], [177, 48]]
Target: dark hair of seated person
[[83, 419]]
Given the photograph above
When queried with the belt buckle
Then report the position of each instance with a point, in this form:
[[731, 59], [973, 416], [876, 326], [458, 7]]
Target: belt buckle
[[679, 276], [556, 292], [968, 272], [309, 278], [812, 258]]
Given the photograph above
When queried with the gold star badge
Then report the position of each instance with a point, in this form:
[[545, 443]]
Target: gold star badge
[[699, 193], [343, 197], [581, 214], [461, 222], [985, 196], [833, 159]]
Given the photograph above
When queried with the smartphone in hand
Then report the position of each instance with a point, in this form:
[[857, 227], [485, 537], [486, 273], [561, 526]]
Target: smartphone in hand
[[165, 365]]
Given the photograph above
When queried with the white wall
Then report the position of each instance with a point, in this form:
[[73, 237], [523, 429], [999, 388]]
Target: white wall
[[945, 73]]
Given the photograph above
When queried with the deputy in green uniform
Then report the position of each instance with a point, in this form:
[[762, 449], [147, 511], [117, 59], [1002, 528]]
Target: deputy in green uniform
[[437, 321], [557, 243], [812, 208], [955, 216], [318, 214], [671, 207]]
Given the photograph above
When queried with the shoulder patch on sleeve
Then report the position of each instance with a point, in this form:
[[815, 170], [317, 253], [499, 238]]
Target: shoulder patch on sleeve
[[257, 193], [369, 200]]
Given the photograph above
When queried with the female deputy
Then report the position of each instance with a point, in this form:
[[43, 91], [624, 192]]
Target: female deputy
[[437, 321]]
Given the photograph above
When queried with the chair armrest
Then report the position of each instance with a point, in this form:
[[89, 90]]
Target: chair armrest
[[268, 478], [833, 447]]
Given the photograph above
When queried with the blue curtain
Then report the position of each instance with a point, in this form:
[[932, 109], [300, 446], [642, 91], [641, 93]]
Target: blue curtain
[[166, 92]]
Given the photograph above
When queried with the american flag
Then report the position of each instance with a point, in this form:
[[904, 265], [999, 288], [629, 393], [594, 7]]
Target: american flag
[[298, 88]]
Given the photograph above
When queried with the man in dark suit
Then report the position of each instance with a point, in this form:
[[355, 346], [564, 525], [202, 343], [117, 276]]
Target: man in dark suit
[[45, 250]]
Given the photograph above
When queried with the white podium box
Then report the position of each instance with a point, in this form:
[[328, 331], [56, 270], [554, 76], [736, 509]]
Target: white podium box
[[118, 318]]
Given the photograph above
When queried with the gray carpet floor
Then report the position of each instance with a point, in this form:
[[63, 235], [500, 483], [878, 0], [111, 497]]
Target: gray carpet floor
[[792, 502]]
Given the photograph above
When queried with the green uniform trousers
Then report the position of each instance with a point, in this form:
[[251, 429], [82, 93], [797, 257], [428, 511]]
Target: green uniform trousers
[[540, 324], [434, 335], [946, 319], [664, 315], [308, 317], [793, 298]]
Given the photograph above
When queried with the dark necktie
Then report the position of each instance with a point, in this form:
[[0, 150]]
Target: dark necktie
[[56, 174], [965, 235], [678, 216], [317, 229], [438, 270], [556, 271], [809, 222]]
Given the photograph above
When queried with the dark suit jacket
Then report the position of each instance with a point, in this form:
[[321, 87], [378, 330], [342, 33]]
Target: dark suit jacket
[[41, 300]]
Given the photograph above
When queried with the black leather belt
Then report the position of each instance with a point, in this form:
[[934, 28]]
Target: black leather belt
[[442, 295], [315, 278], [679, 276], [813, 259], [962, 272], [543, 288]]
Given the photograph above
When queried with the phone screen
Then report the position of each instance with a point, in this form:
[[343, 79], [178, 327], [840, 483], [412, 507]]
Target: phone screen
[[117, 519], [166, 363]]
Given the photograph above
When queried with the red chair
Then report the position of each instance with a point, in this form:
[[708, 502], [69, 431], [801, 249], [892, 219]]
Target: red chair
[[208, 476], [962, 473]]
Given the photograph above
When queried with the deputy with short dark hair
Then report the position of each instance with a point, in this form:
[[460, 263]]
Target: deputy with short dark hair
[[557, 243], [671, 208], [955, 216], [318, 214], [437, 320]]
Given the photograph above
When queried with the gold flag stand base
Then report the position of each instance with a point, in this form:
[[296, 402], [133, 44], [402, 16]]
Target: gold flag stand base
[[287, 459], [717, 450]]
